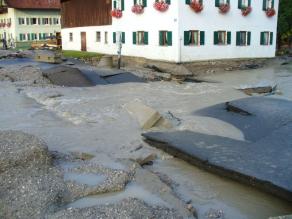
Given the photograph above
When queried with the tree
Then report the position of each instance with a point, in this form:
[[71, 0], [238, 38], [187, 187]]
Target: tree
[[285, 23]]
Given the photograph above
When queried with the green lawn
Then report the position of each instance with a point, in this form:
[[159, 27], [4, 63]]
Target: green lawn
[[80, 54]]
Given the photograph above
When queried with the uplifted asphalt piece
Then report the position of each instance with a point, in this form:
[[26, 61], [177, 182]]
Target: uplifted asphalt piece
[[266, 164], [125, 77], [267, 114], [67, 76]]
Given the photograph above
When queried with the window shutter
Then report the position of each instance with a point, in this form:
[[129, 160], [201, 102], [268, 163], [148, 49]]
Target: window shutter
[[134, 38], [114, 37], [32, 36], [217, 3], [40, 36], [44, 36], [160, 38], [240, 4], [216, 36], [264, 5], [188, 2], [145, 3], [28, 36], [186, 38], [201, 1], [202, 38], [262, 38], [123, 37], [238, 38], [135, 2], [20, 37], [228, 1], [228, 37], [146, 38], [273, 3], [249, 2], [168, 1], [123, 5], [169, 38], [248, 38], [271, 38], [115, 4]]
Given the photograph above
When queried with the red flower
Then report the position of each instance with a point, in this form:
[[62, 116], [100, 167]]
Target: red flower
[[270, 12], [196, 6], [161, 6], [117, 13], [245, 11], [224, 8], [137, 9]]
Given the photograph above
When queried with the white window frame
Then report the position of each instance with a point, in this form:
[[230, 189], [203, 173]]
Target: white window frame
[[244, 3], [105, 37], [269, 3], [222, 2], [246, 37], [225, 37]]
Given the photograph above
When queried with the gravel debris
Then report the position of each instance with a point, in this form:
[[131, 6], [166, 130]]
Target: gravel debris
[[127, 208]]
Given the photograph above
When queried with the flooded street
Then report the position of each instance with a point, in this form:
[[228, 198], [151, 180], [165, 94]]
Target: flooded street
[[94, 120]]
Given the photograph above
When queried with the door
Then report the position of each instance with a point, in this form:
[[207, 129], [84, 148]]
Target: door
[[83, 41]]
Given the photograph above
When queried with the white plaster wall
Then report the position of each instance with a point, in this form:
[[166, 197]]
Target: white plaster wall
[[151, 21], [210, 20], [178, 19]]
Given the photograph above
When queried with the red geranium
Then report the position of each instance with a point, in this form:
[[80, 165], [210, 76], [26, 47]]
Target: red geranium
[[270, 12], [246, 10], [137, 9], [117, 13], [161, 6], [224, 8], [196, 6]]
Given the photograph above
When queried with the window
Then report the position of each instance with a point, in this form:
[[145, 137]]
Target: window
[[140, 38], [21, 21], [27, 21], [243, 38], [33, 36], [106, 37], [268, 4], [98, 37], [165, 38], [167, 1], [55, 21], [71, 37], [45, 21], [220, 2], [33, 21], [266, 38], [194, 37], [22, 37], [244, 4], [141, 2], [119, 4], [222, 38], [119, 35]]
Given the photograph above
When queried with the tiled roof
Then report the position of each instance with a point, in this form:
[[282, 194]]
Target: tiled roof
[[34, 4]]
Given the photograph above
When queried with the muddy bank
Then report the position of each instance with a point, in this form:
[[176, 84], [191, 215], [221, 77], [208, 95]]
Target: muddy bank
[[40, 188]]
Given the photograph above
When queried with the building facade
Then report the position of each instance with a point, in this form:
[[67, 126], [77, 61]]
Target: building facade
[[26, 21], [173, 30]]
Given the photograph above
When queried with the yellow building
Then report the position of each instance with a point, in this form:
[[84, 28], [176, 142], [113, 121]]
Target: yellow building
[[25, 21]]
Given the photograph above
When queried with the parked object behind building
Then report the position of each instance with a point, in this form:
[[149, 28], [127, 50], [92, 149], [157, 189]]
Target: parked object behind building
[[23, 22]]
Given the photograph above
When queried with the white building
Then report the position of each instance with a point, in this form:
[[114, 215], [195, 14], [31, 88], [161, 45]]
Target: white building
[[179, 34], [25, 21]]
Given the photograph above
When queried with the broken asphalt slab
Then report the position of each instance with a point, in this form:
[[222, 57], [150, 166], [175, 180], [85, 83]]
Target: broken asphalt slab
[[67, 76], [267, 114], [266, 164]]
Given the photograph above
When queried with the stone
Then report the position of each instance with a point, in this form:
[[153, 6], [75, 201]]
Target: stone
[[147, 160], [259, 90], [47, 56], [231, 108], [146, 116]]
